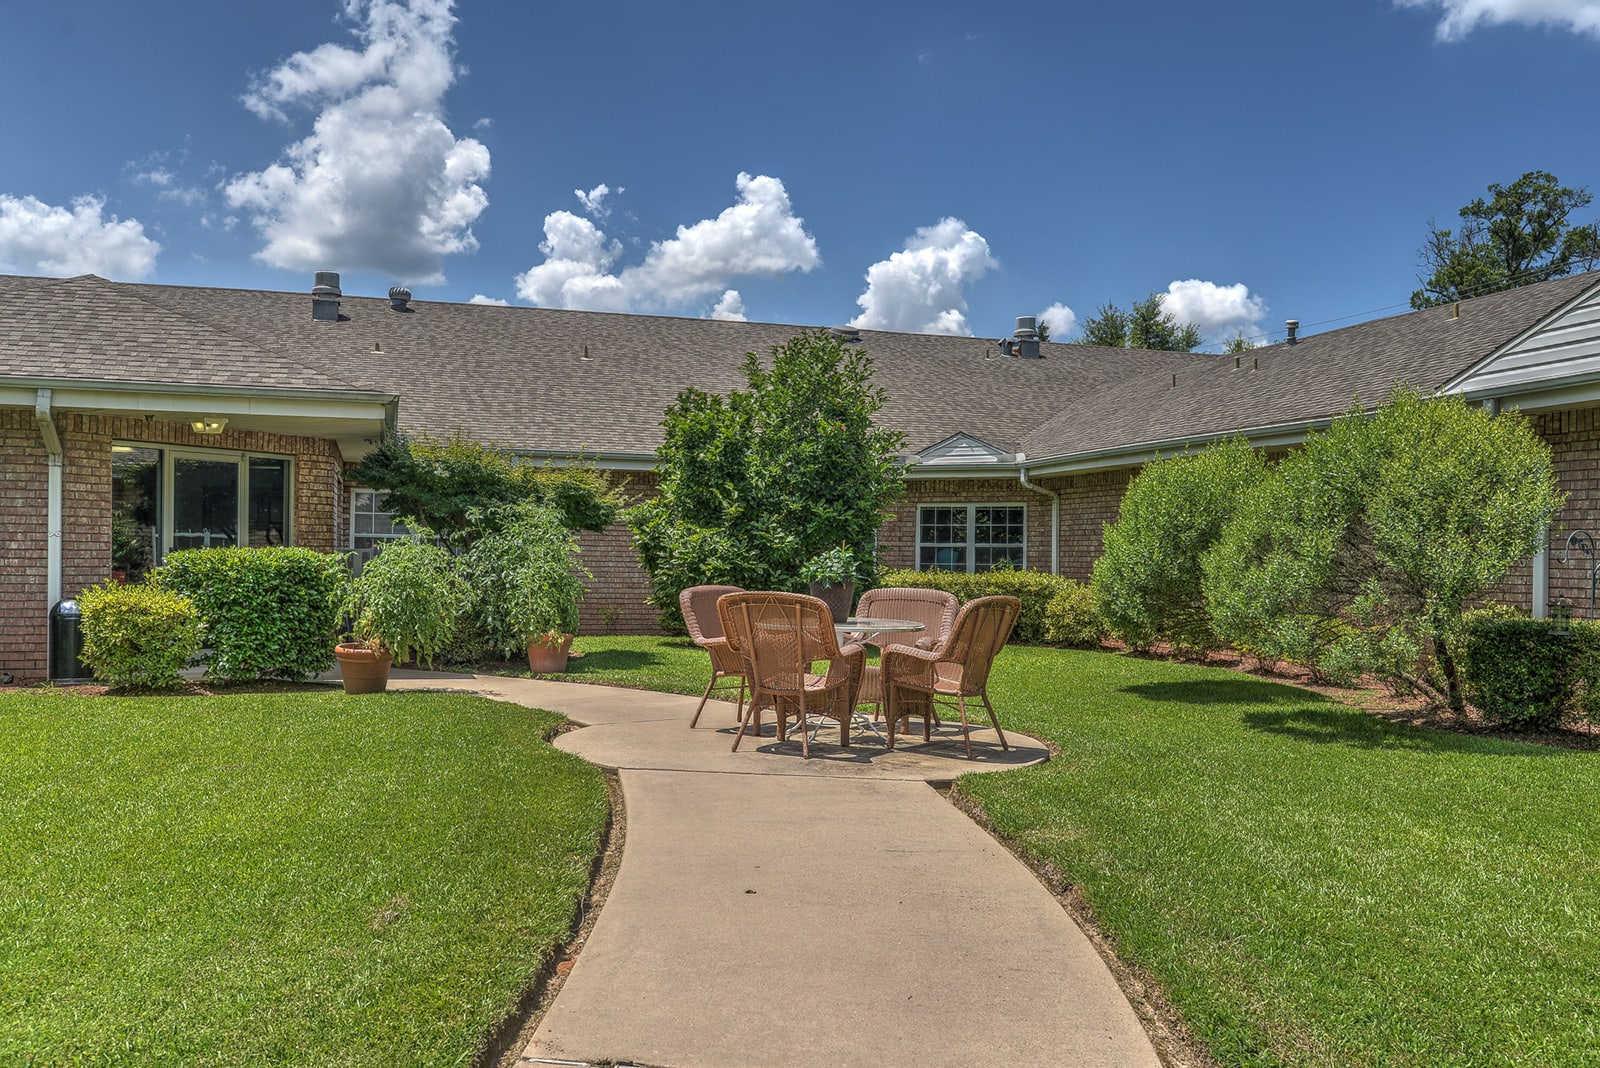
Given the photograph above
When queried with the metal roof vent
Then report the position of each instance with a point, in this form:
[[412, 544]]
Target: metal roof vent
[[1024, 341], [325, 294], [847, 335], [1293, 326], [399, 298]]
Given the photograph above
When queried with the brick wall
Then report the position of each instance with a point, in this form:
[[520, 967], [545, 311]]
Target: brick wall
[[1574, 438], [615, 603], [23, 621], [86, 510]]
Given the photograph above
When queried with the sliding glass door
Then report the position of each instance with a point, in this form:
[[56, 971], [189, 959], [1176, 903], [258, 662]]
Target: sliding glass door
[[205, 503], [172, 499]]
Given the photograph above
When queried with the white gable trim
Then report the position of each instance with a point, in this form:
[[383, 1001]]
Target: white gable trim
[[963, 450], [1563, 347]]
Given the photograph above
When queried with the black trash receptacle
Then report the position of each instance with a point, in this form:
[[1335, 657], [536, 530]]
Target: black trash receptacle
[[66, 644]]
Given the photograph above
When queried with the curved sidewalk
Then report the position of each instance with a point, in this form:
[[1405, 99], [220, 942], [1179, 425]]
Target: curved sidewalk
[[771, 910]]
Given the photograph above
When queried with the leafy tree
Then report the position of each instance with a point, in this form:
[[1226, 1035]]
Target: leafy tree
[[455, 486], [755, 483], [1364, 549], [1145, 326], [1147, 582], [1521, 234], [1043, 328], [1237, 345]]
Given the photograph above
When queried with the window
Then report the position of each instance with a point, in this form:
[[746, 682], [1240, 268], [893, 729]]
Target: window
[[971, 537], [183, 498], [371, 521]]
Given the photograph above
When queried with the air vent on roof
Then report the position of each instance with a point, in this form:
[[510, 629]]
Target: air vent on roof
[[1024, 341], [847, 335], [325, 296], [1293, 327], [399, 298]]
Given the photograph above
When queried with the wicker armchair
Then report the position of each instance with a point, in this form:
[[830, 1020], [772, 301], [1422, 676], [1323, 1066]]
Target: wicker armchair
[[934, 609], [916, 679], [780, 637], [699, 605]]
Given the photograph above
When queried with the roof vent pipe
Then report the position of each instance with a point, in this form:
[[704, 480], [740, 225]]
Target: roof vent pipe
[[1027, 335], [399, 298], [325, 296], [1293, 326]]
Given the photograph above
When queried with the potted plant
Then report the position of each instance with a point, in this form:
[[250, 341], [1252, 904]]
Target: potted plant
[[130, 548], [403, 605], [832, 576], [526, 584]]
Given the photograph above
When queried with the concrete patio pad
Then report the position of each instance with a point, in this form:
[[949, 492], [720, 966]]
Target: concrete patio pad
[[771, 910]]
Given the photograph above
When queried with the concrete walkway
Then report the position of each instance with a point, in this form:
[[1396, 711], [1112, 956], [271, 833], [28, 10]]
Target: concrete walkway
[[771, 910]]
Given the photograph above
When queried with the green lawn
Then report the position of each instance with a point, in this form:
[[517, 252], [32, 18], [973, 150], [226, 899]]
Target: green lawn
[[671, 665], [303, 878], [1310, 885]]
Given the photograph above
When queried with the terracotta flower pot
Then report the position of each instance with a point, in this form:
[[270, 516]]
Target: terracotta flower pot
[[549, 659], [362, 668]]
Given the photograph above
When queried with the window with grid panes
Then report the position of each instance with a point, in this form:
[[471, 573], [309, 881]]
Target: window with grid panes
[[371, 521], [971, 537]]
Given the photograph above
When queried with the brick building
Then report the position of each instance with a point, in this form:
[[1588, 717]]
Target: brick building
[[135, 419]]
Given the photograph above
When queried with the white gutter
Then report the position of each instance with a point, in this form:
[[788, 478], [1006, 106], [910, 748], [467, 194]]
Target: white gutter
[[1055, 513], [52, 447]]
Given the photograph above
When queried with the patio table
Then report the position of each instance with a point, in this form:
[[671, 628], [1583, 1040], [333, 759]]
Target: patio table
[[868, 628]]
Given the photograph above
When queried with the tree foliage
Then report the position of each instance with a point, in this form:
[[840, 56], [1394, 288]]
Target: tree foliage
[[1523, 233], [454, 486], [524, 580], [1147, 582], [1364, 549], [755, 483], [1144, 326]]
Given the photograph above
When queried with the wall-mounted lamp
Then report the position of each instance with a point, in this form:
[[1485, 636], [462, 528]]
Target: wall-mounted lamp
[[209, 426]]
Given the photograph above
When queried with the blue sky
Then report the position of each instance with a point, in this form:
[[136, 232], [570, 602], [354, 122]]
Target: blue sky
[[931, 166]]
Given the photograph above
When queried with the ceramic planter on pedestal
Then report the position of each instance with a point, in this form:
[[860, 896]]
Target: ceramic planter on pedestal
[[837, 596], [363, 669], [549, 659]]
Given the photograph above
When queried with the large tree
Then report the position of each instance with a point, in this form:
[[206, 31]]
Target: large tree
[[1522, 233], [1144, 326], [755, 483]]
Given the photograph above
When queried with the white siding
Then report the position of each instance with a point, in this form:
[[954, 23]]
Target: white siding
[[1563, 347]]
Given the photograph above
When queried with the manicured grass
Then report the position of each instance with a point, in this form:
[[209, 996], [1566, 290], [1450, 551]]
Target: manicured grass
[[671, 665], [1311, 885], [293, 878]]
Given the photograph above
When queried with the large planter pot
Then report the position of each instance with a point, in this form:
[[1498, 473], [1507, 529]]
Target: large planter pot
[[546, 659], [362, 668], [838, 597]]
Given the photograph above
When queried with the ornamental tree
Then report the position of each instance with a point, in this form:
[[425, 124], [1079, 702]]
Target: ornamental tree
[[755, 483], [1364, 549]]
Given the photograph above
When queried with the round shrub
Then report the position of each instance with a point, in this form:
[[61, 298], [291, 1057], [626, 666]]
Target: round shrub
[[524, 580], [1033, 588], [138, 637], [1070, 618], [406, 600], [1519, 672], [269, 612]]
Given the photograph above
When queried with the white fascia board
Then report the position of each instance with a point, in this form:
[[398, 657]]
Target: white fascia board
[[123, 394], [604, 461], [985, 470], [1577, 393]]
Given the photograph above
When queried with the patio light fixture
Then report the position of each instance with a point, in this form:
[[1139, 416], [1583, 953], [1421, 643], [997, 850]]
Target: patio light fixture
[[208, 426]]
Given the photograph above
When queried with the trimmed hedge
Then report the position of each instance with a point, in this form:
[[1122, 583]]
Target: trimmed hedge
[[1035, 589], [139, 637], [1523, 675], [1071, 618], [269, 613]]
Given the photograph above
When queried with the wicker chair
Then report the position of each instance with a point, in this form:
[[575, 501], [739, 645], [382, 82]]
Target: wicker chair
[[916, 679], [780, 637], [934, 609], [699, 605]]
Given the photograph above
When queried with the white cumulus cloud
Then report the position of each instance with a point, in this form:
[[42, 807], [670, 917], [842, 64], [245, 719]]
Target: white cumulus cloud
[[730, 307], [919, 289], [1216, 310], [1060, 320], [495, 302], [380, 182], [594, 201], [40, 238], [1461, 17], [758, 236]]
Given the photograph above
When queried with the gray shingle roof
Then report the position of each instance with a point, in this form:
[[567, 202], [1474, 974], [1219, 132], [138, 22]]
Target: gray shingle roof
[[519, 376], [91, 329], [1317, 378]]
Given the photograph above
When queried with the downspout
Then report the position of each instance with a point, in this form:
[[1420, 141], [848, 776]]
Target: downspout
[[1541, 559], [52, 447], [1055, 513]]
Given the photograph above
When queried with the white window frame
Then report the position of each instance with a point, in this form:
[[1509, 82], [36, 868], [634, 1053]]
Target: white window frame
[[971, 546], [393, 535], [165, 487]]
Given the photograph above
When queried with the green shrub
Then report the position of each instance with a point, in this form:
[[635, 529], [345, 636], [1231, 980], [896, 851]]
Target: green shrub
[[523, 579], [1070, 618], [1523, 675], [140, 636], [406, 600], [1034, 589], [269, 613]]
